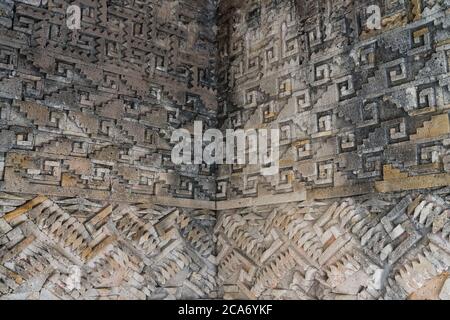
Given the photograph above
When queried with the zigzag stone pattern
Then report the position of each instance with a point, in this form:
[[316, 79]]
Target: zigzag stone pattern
[[360, 207], [86, 180], [91, 206], [122, 251], [90, 112]]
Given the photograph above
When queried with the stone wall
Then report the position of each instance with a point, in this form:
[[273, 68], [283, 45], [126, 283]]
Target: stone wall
[[85, 174], [91, 206], [360, 207]]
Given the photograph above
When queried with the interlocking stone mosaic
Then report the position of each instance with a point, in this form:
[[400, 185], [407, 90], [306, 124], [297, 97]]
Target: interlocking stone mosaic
[[360, 207], [91, 206], [86, 179]]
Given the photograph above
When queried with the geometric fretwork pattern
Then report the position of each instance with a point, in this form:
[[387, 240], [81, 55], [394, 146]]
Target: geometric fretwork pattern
[[117, 252], [363, 249], [91, 207], [360, 206], [359, 110], [91, 111]]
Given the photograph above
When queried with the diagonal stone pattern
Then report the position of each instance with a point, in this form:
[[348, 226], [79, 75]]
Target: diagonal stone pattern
[[91, 206]]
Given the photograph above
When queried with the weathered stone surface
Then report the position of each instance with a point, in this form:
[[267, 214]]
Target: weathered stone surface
[[91, 206], [86, 180], [364, 122], [445, 291]]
